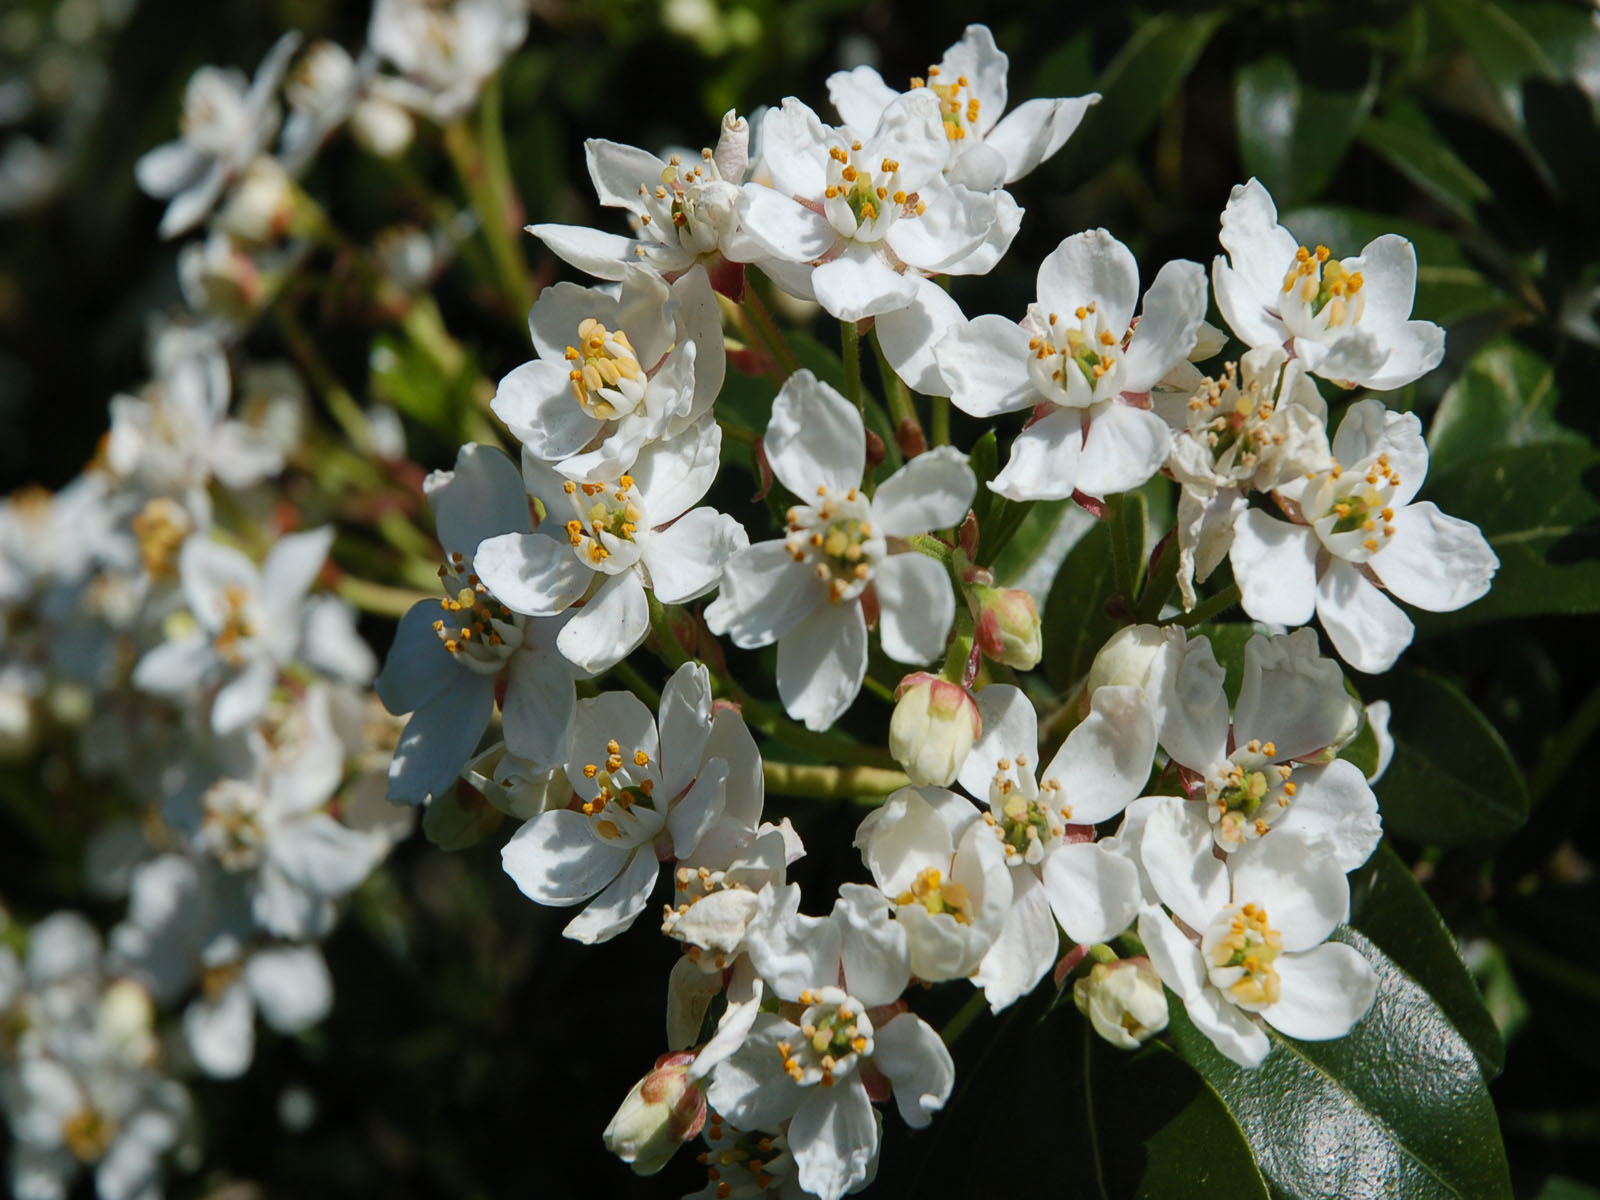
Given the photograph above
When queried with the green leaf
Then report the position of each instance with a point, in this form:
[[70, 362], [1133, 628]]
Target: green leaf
[[1504, 51], [1539, 509], [1452, 781], [1390, 907], [1362, 750], [1134, 88], [1227, 644], [1293, 134], [1074, 622], [1021, 531], [1505, 396], [1405, 141], [1397, 1107], [1448, 287]]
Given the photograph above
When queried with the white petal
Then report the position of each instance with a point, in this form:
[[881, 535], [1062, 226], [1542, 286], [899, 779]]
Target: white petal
[[321, 855], [911, 131], [783, 228], [531, 573], [292, 566], [1291, 696], [1010, 728], [616, 908], [672, 475], [1259, 251], [814, 438], [932, 491], [538, 707], [173, 667], [1435, 561], [1176, 851], [1274, 564], [1106, 759], [765, 594], [872, 948], [1230, 1030], [1174, 309], [909, 335], [1034, 130], [1335, 804], [700, 808], [793, 952], [918, 1064], [685, 725], [1368, 629], [985, 365], [859, 283], [794, 147], [859, 97], [749, 1087], [1045, 459], [618, 171], [609, 626], [244, 698], [915, 607], [1091, 267], [1325, 991], [1194, 724], [1176, 959], [1123, 449], [440, 737], [221, 1033], [954, 225], [560, 309], [619, 716], [291, 986], [168, 169], [603, 255], [1415, 348], [1026, 948], [686, 560], [1094, 892], [536, 403], [1299, 883], [834, 1139], [821, 663], [903, 837], [557, 858]]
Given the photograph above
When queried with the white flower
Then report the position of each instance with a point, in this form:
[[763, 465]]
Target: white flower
[[946, 875], [605, 543], [289, 985], [1254, 428], [1356, 534], [645, 791], [985, 151], [449, 654], [248, 622], [1348, 319], [804, 1064], [1084, 364], [445, 51], [866, 221], [804, 591], [322, 89], [1271, 769], [683, 214], [932, 728], [226, 122], [614, 372], [1124, 1001], [1262, 921], [1090, 888]]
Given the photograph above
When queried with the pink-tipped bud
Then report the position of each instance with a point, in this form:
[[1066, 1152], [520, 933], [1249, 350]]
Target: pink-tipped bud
[[662, 1112], [1124, 1001], [934, 725], [1007, 626]]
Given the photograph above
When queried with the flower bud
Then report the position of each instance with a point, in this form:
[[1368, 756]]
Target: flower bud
[[1007, 626], [732, 154], [933, 727], [665, 1109], [382, 127], [1128, 658], [264, 203], [1124, 1001]]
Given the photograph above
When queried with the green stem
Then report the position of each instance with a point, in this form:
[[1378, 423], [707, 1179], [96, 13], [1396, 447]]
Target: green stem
[[878, 688], [1159, 584], [740, 315], [831, 783], [1569, 742], [737, 433], [341, 404], [636, 683], [763, 321], [378, 598], [480, 164], [1209, 607], [940, 425], [1121, 552], [902, 411], [850, 344], [1088, 1111], [957, 1025]]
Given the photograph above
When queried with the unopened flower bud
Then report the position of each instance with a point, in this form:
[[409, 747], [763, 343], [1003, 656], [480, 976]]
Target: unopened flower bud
[[1124, 1001], [1127, 659], [665, 1109], [1007, 626], [732, 154], [263, 204], [382, 127], [933, 727]]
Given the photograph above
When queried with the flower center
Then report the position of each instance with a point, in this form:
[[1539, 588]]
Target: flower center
[[837, 538], [1246, 793], [1065, 356], [958, 107], [238, 624], [1240, 948], [624, 782], [738, 1164], [1353, 511], [88, 1134], [1026, 823], [835, 1035], [1235, 421], [862, 199], [937, 896], [606, 517], [1322, 287], [688, 207], [231, 828], [479, 631], [161, 527], [607, 380]]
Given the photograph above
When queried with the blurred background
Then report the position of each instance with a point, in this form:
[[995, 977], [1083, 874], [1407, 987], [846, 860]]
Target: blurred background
[[473, 1053]]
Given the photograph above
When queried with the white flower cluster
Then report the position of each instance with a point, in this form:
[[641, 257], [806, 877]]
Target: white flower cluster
[[1146, 827]]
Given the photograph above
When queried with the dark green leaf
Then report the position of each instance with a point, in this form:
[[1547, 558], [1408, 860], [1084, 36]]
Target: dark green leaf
[[1292, 133], [1504, 51], [1362, 750], [1448, 287], [1539, 507], [1134, 89], [1504, 397], [1228, 643], [985, 463], [1407, 144], [1398, 1107], [1452, 780], [1075, 624], [1390, 907], [1558, 1188], [1021, 531]]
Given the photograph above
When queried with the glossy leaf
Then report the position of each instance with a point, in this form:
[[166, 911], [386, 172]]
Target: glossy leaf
[[1075, 622], [1390, 907], [1505, 397], [1503, 50], [1539, 508], [1397, 1107], [1227, 644], [1407, 144], [1292, 133], [1452, 780]]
